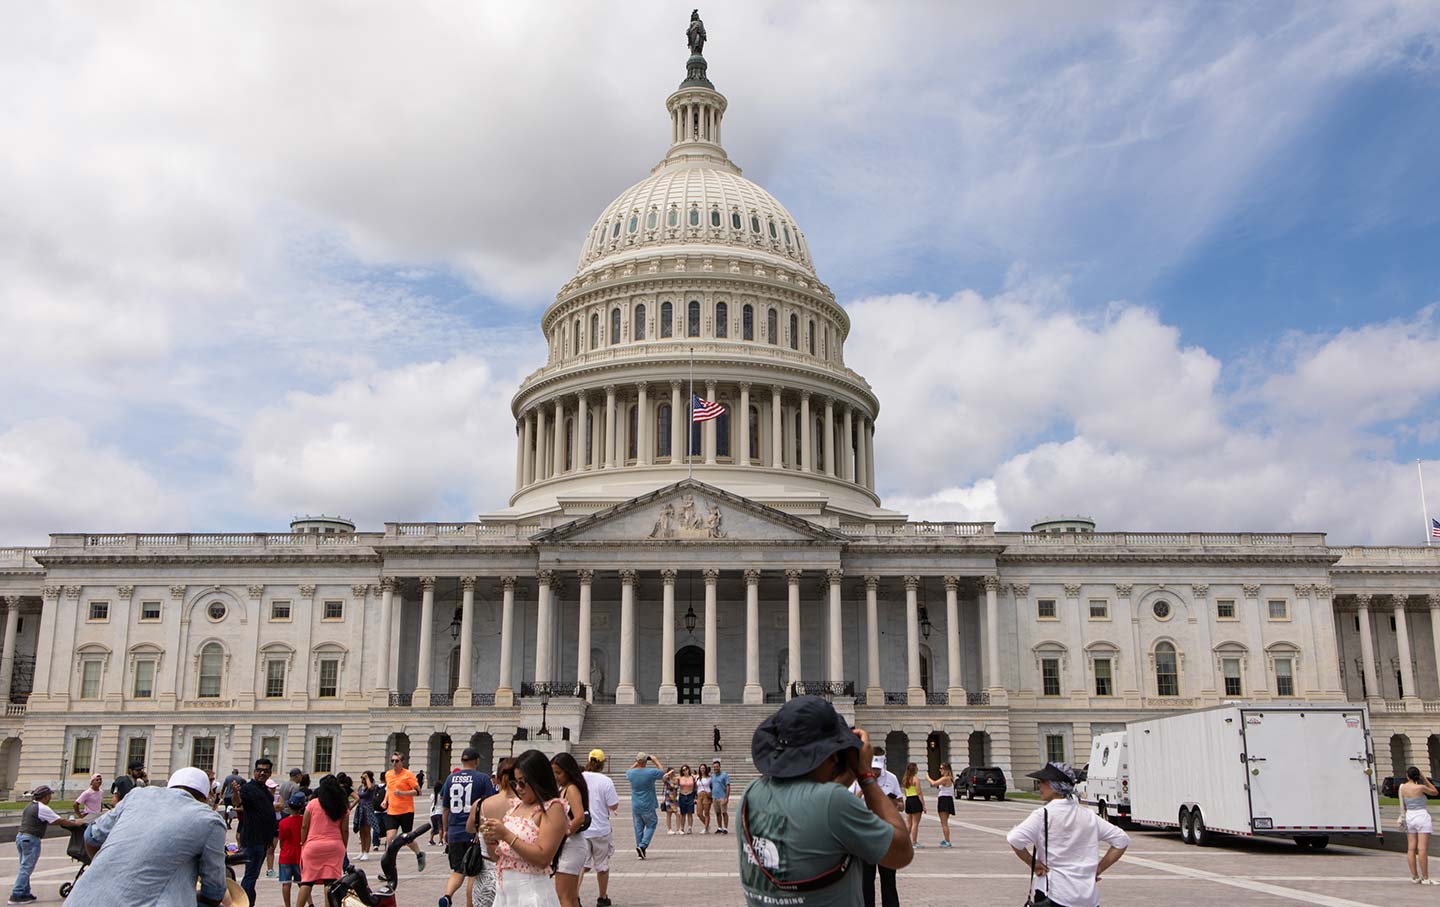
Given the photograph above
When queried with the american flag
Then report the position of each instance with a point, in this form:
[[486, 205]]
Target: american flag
[[704, 410], [1434, 528]]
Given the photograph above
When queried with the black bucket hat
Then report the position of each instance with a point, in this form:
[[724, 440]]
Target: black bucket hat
[[800, 736]]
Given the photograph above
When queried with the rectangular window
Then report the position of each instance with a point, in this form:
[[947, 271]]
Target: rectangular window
[[144, 680], [1225, 608], [1104, 678], [1045, 608], [99, 612], [1399, 685], [329, 678], [149, 611], [324, 754], [1099, 609], [135, 750], [1050, 676], [1279, 609], [202, 753], [334, 610], [280, 610], [274, 678], [270, 749], [84, 749], [90, 679], [1284, 677], [1230, 669], [1392, 623], [1054, 748]]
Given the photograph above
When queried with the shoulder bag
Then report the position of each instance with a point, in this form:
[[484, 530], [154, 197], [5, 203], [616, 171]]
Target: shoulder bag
[[1037, 897]]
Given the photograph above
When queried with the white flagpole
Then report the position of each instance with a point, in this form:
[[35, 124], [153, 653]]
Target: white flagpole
[[690, 428], [1424, 511]]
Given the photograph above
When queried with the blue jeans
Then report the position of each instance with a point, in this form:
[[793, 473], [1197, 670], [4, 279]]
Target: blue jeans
[[29, 847], [254, 862], [645, 822]]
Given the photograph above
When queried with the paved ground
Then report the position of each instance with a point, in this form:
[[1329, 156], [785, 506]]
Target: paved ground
[[700, 871]]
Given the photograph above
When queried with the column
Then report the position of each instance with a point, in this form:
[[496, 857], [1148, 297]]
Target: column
[[874, 691], [792, 626], [807, 456], [609, 426], [1434, 601], [504, 692], [1327, 649], [777, 438], [1125, 611], [1402, 639], [955, 689], [543, 626], [528, 464], [467, 631], [576, 439], [847, 449], [625, 693], [519, 456], [837, 631], [914, 692], [992, 633], [558, 466], [679, 419], [582, 428], [427, 626], [397, 620], [7, 654], [754, 692], [539, 472], [710, 692], [862, 461], [668, 693], [643, 445], [870, 455], [582, 655], [830, 469], [1367, 650], [744, 416], [711, 427]]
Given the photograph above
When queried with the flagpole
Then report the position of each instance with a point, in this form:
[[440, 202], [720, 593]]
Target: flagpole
[[1424, 511], [690, 428]]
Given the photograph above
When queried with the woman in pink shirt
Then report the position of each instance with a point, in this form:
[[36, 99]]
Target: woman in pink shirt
[[324, 835]]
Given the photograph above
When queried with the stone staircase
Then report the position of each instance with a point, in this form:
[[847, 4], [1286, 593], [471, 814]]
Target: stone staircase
[[677, 734]]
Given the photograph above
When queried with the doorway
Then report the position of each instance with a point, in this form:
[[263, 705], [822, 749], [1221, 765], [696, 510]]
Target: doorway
[[689, 674]]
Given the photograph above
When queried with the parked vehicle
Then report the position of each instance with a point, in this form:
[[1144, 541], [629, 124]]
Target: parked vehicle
[[1301, 771], [1107, 777], [984, 782]]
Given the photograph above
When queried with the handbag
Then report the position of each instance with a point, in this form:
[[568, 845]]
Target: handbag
[[1038, 898], [474, 860]]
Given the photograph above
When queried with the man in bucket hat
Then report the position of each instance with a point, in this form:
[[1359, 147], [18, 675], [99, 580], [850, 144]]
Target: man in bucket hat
[[1060, 841], [800, 828]]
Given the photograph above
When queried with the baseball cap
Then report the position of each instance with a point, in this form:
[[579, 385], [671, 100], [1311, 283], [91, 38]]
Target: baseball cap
[[597, 754], [642, 757], [470, 755], [191, 778], [297, 802]]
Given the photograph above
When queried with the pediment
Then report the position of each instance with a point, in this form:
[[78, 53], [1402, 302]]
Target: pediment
[[690, 511]]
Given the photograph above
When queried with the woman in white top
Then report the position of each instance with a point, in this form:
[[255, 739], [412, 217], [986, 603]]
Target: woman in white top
[[944, 799], [703, 788], [1418, 825], [1060, 842]]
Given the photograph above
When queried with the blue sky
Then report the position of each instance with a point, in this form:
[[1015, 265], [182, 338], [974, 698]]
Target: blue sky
[[1183, 254]]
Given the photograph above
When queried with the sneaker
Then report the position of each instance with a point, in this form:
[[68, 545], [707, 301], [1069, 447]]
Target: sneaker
[[364, 856], [420, 860], [1429, 882], [444, 900], [602, 902], [643, 851], [23, 899], [269, 873], [945, 844]]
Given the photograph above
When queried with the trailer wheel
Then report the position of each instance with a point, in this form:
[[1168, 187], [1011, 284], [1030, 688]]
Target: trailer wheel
[[1199, 834], [1186, 833], [1313, 842]]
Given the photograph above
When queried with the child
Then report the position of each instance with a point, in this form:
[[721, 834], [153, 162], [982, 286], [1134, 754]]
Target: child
[[436, 810], [290, 845]]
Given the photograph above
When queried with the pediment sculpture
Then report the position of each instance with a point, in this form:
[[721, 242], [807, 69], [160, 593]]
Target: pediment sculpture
[[688, 522]]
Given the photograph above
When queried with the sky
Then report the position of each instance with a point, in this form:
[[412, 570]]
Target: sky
[[1174, 266]]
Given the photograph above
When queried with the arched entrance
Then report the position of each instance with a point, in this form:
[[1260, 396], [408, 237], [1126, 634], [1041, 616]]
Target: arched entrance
[[1399, 755], [897, 752], [937, 750], [437, 763], [689, 673], [482, 743], [1432, 746], [9, 764], [397, 742], [979, 749]]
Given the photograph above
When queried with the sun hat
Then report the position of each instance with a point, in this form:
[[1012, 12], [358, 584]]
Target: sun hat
[[799, 736], [1055, 773]]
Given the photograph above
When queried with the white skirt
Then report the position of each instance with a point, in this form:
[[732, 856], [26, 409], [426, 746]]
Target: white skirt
[[1418, 821], [525, 889]]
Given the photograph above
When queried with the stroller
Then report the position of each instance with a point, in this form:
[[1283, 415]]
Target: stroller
[[353, 889], [76, 851]]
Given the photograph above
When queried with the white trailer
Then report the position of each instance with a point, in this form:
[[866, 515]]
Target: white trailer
[[1107, 781], [1294, 770]]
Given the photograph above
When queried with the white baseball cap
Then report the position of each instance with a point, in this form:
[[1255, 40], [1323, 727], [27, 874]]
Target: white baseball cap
[[191, 778]]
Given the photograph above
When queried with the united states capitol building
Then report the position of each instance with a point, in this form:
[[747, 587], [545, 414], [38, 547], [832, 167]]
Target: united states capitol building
[[648, 574]]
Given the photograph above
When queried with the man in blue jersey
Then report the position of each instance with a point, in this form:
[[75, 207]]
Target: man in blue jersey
[[465, 787]]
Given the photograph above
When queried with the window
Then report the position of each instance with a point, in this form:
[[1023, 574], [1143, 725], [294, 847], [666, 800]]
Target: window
[[714, 217], [569, 444], [90, 678], [1285, 677], [1167, 670], [773, 234], [1161, 610], [149, 611], [270, 749], [735, 223], [202, 753], [144, 686], [1399, 685], [594, 332], [1099, 609], [212, 661], [722, 320], [650, 220], [785, 228], [694, 216], [216, 611], [818, 438], [1049, 676], [324, 754], [1054, 748], [639, 327], [692, 319], [280, 611], [80, 762], [614, 326], [615, 231], [99, 612], [666, 320], [274, 678], [634, 223], [754, 224], [772, 327], [662, 430], [722, 434], [1280, 609], [672, 217], [329, 678], [632, 430], [754, 433], [1045, 609], [135, 749], [810, 337], [798, 439], [334, 609], [794, 332], [1230, 670], [1225, 609], [1104, 677], [576, 335], [747, 323]]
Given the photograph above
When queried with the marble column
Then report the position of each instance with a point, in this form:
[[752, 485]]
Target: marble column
[[467, 642], [582, 429], [837, 631], [504, 692], [862, 462], [777, 434], [710, 692], [427, 629], [847, 449], [870, 456], [754, 692], [544, 625], [669, 695], [992, 633], [1433, 600], [1402, 639], [874, 690], [382, 661], [679, 418], [526, 458], [7, 653], [830, 469], [711, 427], [625, 692], [539, 472], [519, 456], [582, 646], [807, 454], [955, 689], [792, 579], [558, 463], [1327, 646], [743, 414], [1125, 611], [610, 426], [914, 692], [397, 621], [643, 444], [1367, 651]]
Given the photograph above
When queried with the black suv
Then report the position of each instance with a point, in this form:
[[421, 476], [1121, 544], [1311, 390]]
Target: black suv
[[981, 782]]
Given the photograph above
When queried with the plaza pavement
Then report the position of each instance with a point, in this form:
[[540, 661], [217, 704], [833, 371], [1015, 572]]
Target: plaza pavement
[[701, 871]]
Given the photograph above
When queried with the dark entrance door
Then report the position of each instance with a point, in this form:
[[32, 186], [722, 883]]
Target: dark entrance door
[[690, 673]]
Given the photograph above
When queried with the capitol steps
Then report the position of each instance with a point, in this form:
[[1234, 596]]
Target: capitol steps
[[677, 734]]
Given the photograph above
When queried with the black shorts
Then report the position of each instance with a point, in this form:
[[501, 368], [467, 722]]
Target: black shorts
[[402, 821], [455, 853], [914, 805], [945, 805]]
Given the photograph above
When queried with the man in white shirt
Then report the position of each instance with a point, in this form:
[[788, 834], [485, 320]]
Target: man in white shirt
[[598, 843], [1061, 840], [889, 786]]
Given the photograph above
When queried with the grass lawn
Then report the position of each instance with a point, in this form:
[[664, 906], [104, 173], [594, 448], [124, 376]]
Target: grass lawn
[[63, 807]]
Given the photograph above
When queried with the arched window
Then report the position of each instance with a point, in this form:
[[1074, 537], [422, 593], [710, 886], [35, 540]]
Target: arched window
[[662, 430], [1167, 670], [694, 216], [639, 329], [633, 431], [212, 665], [616, 231], [735, 220], [692, 319], [772, 228], [772, 327], [817, 439], [615, 326], [754, 224], [811, 336], [747, 322], [722, 434], [666, 320], [577, 336], [794, 332], [672, 218], [594, 332], [650, 220], [755, 433], [722, 320], [635, 223]]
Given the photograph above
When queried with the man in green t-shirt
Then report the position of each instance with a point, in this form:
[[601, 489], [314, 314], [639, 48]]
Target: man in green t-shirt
[[801, 830]]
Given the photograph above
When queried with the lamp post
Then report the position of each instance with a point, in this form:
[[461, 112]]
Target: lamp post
[[544, 716], [690, 619]]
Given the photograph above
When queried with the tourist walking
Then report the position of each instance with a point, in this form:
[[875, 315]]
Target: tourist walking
[[1060, 842], [685, 793], [254, 802], [703, 798], [124, 784], [1417, 823], [493, 807], [944, 799], [35, 820], [642, 778], [570, 862], [800, 830], [465, 787], [716, 739], [437, 813], [720, 798], [401, 789], [90, 801], [289, 846], [914, 801], [324, 839], [526, 840], [599, 839], [889, 786]]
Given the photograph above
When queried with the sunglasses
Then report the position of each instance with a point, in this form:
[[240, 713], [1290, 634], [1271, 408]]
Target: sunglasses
[[519, 784], [395, 761]]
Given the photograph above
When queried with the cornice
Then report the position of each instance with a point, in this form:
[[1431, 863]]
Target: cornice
[[1157, 557], [213, 558], [763, 287]]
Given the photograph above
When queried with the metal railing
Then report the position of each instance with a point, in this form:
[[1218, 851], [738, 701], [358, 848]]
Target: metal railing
[[825, 688], [442, 699], [402, 699], [937, 697], [897, 698], [478, 698], [558, 689]]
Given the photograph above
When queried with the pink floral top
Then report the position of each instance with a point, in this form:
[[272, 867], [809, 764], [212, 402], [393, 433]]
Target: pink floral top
[[527, 830]]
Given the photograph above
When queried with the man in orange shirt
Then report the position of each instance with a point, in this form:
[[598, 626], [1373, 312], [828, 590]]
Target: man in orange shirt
[[401, 788]]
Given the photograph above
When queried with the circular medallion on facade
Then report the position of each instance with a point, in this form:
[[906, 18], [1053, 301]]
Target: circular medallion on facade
[[216, 610], [1161, 610]]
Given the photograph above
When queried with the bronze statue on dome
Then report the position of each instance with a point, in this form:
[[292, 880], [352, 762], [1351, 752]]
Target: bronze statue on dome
[[695, 34]]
